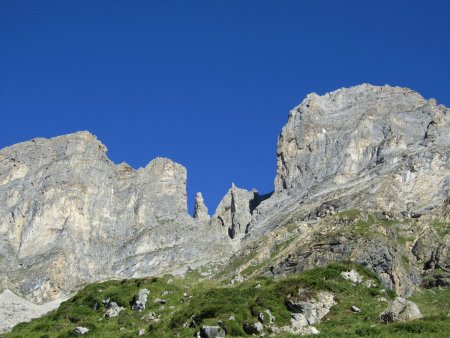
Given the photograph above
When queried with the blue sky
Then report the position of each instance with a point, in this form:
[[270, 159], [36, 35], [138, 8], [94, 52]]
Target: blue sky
[[208, 84]]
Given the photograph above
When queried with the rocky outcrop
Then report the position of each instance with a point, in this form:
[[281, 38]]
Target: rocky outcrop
[[233, 212], [69, 215], [400, 310], [200, 209], [366, 147], [384, 246], [353, 133]]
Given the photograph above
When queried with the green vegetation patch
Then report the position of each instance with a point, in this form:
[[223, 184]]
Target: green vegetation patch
[[192, 303]]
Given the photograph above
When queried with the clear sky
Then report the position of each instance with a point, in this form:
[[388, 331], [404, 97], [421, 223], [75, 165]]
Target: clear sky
[[209, 83]]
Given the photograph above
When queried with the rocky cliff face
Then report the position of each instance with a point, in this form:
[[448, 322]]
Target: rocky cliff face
[[69, 215], [351, 136], [368, 147], [384, 150]]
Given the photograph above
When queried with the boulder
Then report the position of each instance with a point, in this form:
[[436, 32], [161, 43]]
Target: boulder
[[112, 309], [313, 310], [255, 328], [211, 332], [139, 305], [400, 310]]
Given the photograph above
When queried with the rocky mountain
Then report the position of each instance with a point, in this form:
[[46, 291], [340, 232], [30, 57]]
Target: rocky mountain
[[69, 215], [363, 175]]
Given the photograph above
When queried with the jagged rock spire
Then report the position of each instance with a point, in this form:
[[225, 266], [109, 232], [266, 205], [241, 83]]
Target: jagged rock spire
[[200, 209]]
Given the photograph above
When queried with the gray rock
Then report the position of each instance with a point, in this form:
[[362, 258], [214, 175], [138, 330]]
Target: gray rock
[[313, 310], [72, 216], [139, 305], [113, 310], [355, 309], [81, 330], [200, 209], [400, 310], [141, 332], [211, 332], [255, 328], [353, 276], [337, 147], [234, 211]]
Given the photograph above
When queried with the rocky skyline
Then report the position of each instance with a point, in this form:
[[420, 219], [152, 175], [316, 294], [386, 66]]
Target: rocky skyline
[[69, 215]]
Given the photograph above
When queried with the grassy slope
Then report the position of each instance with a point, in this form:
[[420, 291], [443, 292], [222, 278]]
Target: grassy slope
[[214, 301]]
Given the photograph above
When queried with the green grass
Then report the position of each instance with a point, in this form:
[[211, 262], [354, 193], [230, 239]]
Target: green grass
[[213, 301], [236, 263], [442, 229]]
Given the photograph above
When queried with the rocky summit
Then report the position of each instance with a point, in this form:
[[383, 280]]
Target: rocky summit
[[363, 176]]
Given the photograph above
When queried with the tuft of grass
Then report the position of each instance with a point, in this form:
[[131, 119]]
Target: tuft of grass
[[443, 229]]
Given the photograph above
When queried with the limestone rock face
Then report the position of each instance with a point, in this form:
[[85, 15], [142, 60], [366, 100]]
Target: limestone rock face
[[234, 212], [200, 209], [366, 147], [350, 136], [69, 215]]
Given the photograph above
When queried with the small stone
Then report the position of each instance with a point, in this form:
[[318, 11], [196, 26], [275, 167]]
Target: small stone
[[141, 332], [81, 330], [355, 309], [369, 283], [352, 275]]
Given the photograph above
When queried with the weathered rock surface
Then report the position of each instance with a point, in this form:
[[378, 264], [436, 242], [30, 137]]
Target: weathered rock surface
[[400, 310], [69, 215], [235, 210], [200, 209], [366, 147], [352, 275], [311, 311], [385, 150], [211, 332], [385, 247], [112, 309], [139, 304]]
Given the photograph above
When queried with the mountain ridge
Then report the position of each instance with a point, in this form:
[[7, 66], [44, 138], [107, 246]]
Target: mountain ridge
[[70, 215]]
